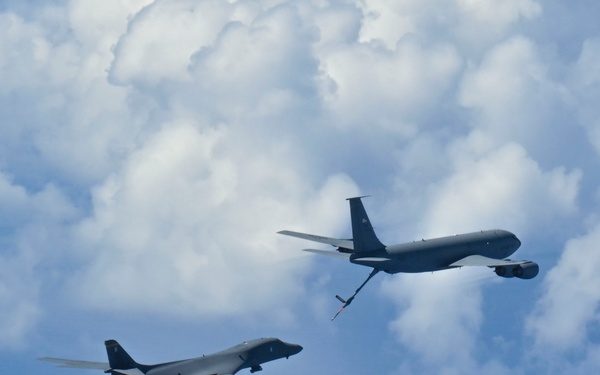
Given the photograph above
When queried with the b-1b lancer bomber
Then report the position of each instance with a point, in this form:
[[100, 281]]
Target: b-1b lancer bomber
[[249, 354], [488, 248]]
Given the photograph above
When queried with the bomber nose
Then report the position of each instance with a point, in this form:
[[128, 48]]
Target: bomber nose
[[295, 349]]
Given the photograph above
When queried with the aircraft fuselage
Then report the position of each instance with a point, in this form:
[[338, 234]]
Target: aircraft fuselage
[[436, 254], [249, 354]]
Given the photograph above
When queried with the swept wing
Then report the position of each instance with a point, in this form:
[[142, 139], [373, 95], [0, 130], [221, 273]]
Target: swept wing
[[104, 366], [337, 242], [482, 261], [71, 363]]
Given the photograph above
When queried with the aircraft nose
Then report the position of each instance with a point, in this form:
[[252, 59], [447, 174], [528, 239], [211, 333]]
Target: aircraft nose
[[295, 348], [517, 242]]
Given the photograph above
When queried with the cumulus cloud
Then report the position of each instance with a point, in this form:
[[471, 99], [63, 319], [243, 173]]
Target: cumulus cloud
[[488, 187], [435, 312], [259, 69], [20, 311], [586, 87], [161, 38], [513, 97], [502, 187], [31, 227], [387, 89], [471, 24], [181, 215], [60, 104], [159, 145], [568, 309], [497, 15]]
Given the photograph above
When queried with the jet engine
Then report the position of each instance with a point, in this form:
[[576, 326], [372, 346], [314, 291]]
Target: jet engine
[[527, 270]]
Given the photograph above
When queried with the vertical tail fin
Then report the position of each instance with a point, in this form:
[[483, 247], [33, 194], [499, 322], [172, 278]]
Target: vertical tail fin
[[118, 357], [363, 235]]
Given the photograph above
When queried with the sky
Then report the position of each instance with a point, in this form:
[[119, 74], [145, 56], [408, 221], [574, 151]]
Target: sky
[[150, 151]]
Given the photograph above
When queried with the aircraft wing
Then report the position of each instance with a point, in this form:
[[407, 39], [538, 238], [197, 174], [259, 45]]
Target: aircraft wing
[[480, 260], [337, 242], [104, 366], [335, 254], [71, 363]]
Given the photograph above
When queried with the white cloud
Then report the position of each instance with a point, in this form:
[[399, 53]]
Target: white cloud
[[387, 89], [488, 186], [181, 229], [501, 187], [513, 98], [473, 25], [586, 86], [18, 288], [64, 121], [257, 70], [187, 133], [338, 23], [387, 21], [98, 23], [568, 309], [586, 72], [497, 15], [31, 231], [437, 311], [20, 309], [162, 37]]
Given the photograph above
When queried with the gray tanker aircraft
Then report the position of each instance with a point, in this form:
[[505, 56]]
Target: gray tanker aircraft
[[487, 248], [249, 354]]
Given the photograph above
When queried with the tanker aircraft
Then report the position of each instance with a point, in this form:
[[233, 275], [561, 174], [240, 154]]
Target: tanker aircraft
[[487, 248], [249, 354]]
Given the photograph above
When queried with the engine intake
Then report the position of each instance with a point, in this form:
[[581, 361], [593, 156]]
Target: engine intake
[[527, 270]]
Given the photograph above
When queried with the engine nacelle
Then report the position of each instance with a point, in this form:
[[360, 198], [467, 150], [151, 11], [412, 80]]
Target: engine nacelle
[[527, 270], [504, 271]]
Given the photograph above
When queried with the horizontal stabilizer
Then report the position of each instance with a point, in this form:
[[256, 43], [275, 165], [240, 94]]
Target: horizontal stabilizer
[[334, 254], [480, 260], [131, 371], [70, 363], [337, 242]]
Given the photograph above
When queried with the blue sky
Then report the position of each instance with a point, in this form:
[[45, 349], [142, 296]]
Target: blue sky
[[150, 151]]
